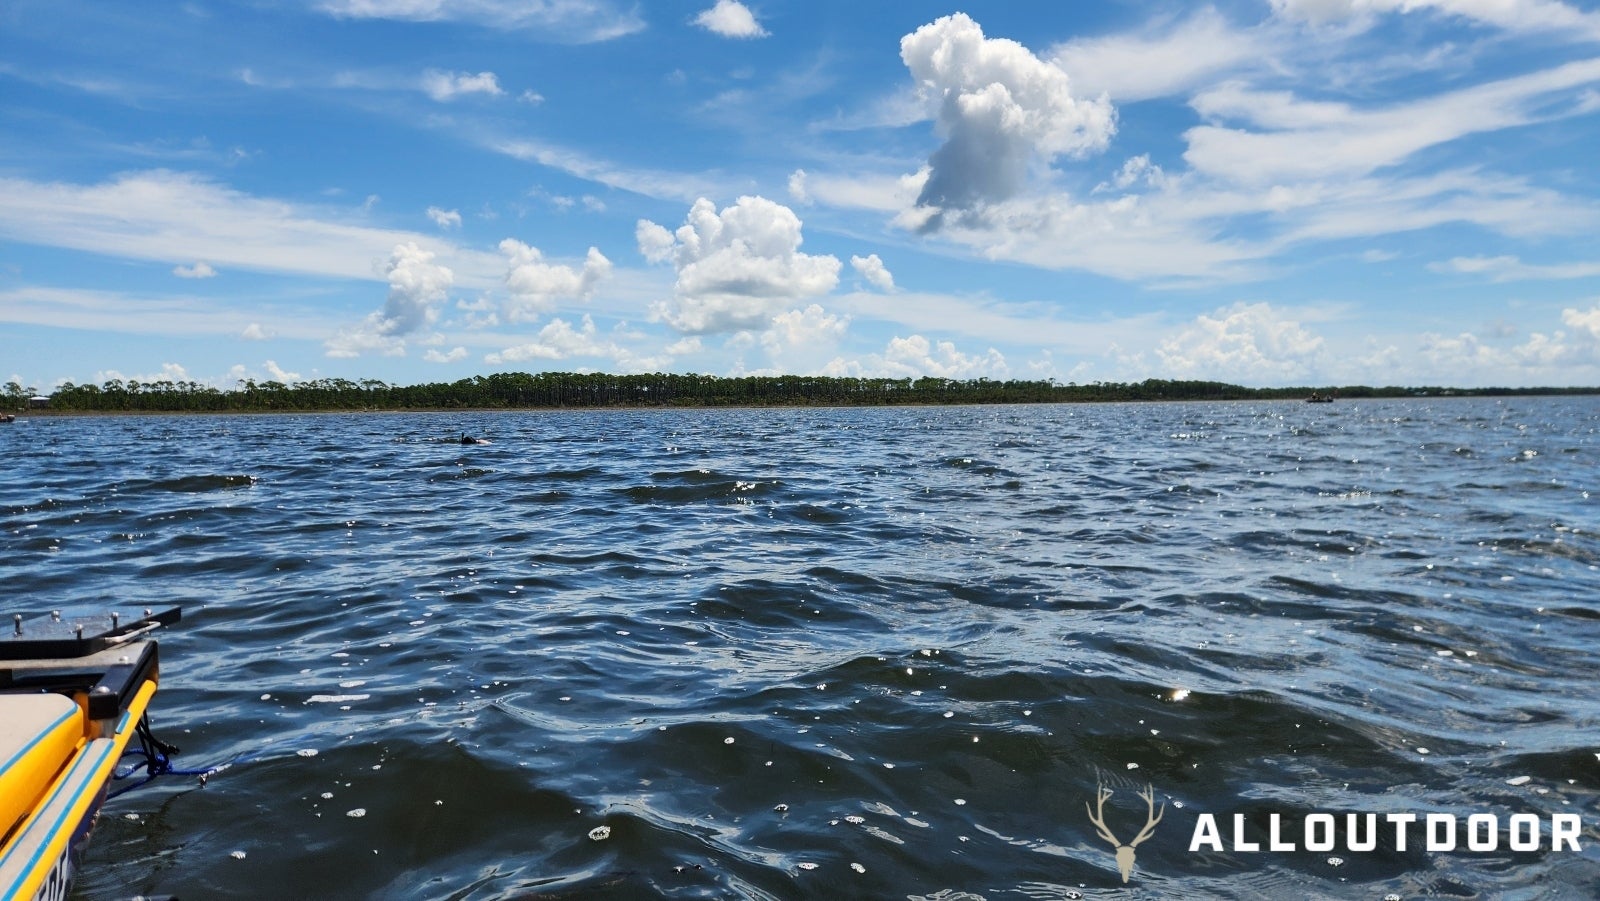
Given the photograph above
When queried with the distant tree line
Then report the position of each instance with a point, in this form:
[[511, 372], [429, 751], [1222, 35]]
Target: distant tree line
[[548, 390]]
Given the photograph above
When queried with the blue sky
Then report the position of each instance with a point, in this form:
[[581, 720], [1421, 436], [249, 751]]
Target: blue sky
[[1269, 193]]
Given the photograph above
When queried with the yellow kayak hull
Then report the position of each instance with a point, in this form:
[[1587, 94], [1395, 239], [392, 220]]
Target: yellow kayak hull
[[64, 725]]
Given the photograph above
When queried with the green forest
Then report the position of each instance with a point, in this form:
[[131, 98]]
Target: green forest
[[555, 390]]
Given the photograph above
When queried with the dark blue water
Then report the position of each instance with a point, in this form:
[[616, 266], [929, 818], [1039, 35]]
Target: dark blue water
[[836, 653]]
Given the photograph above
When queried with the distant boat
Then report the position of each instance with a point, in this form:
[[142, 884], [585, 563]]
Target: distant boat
[[1316, 398], [8, 417]]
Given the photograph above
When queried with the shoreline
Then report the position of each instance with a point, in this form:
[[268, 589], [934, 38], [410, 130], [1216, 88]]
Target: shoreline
[[25, 415]]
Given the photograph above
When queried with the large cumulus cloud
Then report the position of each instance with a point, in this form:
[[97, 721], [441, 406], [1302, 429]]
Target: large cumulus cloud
[[736, 268], [999, 109]]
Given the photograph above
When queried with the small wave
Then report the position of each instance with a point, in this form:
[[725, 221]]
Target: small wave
[[195, 484]]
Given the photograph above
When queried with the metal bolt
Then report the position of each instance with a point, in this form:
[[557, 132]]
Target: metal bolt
[[79, 630], [55, 615], [18, 620], [113, 619]]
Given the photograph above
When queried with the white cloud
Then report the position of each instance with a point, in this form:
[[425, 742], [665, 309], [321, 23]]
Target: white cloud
[[1510, 268], [162, 314], [800, 339], [446, 86], [797, 187], [871, 268], [417, 286], [560, 340], [735, 269], [1512, 15], [884, 193], [279, 374], [564, 20], [1249, 344], [254, 332], [1585, 322], [1114, 237], [444, 218], [535, 285], [999, 322], [1566, 356], [1268, 171], [1226, 224], [731, 19], [1323, 139], [1168, 60], [455, 354], [915, 356], [365, 338], [1000, 110], [173, 217], [1138, 171], [531, 97], [651, 183], [170, 372], [198, 270]]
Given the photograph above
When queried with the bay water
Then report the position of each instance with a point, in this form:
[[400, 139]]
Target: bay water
[[839, 653]]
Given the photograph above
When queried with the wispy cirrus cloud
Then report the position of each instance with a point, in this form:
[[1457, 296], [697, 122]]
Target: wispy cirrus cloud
[[1510, 268], [1549, 16], [580, 21], [1162, 59], [658, 183], [156, 315], [175, 217], [1284, 137]]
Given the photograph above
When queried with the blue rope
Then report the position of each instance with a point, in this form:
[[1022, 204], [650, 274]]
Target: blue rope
[[157, 761]]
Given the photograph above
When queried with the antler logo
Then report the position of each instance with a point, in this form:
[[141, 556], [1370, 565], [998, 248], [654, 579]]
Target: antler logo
[[1125, 852]]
